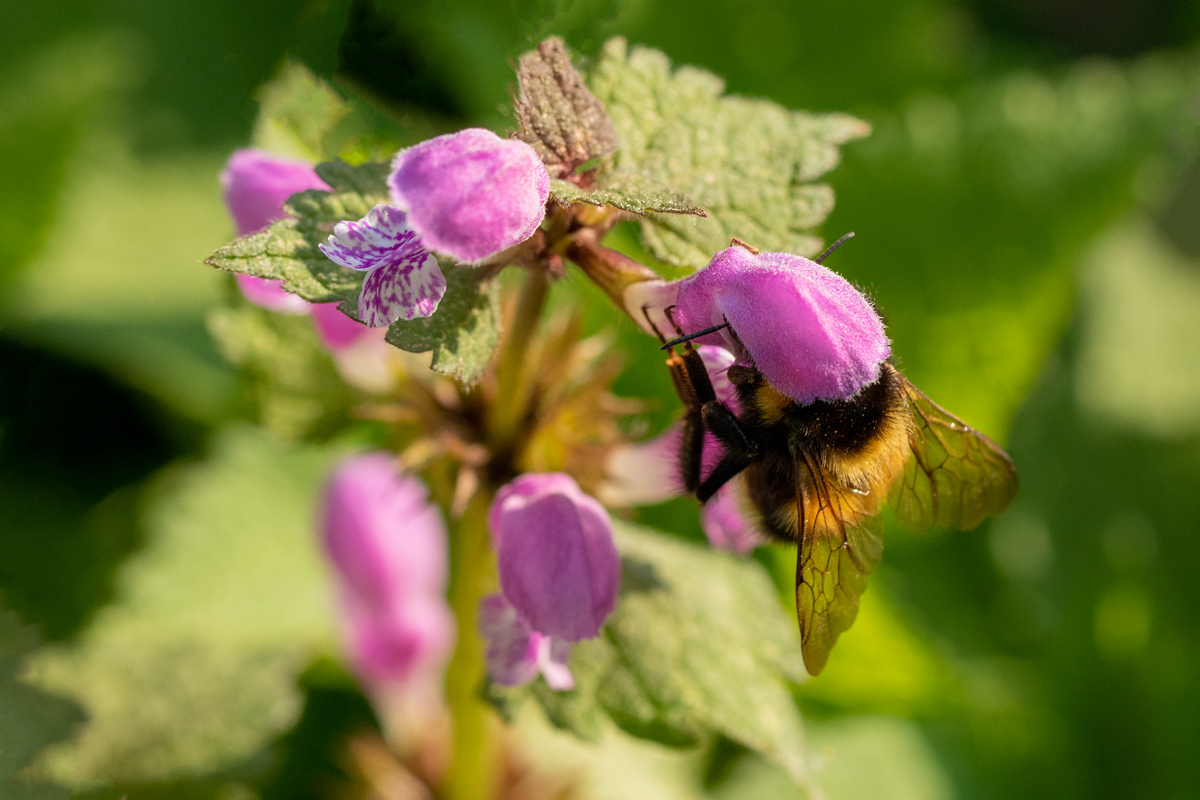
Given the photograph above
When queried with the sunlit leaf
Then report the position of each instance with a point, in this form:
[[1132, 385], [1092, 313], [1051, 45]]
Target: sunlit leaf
[[751, 164]]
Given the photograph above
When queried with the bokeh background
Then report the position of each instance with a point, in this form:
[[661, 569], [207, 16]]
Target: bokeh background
[[1028, 220]]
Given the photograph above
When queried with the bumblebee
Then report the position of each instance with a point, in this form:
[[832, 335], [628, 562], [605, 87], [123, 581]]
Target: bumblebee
[[818, 474]]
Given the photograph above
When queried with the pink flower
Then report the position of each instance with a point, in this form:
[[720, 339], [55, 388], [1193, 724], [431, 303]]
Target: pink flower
[[471, 194], [388, 545], [558, 564], [803, 326], [256, 184], [516, 654]]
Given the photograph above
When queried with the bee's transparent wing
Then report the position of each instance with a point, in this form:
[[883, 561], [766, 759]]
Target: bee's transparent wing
[[955, 476], [832, 564]]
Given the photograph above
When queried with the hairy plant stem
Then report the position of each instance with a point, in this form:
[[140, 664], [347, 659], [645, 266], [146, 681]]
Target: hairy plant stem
[[472, 773], [512, 392]]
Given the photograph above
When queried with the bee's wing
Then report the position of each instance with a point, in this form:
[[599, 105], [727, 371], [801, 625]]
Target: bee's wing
[[955, 476], [832, 563]]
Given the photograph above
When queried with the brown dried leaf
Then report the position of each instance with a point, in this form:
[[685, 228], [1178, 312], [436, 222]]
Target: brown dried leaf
[[558, 116]]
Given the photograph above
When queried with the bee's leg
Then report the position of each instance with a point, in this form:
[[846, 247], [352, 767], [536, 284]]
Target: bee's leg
[[724, 472], [725, 425], [691, 450]]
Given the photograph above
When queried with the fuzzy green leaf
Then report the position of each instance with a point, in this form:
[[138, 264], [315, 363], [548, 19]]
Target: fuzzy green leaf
[[287, 251], [302, 115], [751, 164], [698, 646], [627, 192], [30, 719], [463, 332]]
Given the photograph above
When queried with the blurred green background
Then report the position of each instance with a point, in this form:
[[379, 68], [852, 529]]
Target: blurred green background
[[1028, 220]]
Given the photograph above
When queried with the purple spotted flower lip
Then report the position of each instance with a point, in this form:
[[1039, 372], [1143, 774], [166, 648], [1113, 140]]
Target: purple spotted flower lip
[[403, 278], [803, 326], [471, 194], [557, 561], [516, 654], [387, 544]]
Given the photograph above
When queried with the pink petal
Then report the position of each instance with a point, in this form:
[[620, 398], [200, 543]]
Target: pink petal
[[382, 236], [558, 563], [471, 194], [726, 527], [337, 330], [512, 649], [271, 295], [256, 185], [552, 657], [806, 328], [382, 533]]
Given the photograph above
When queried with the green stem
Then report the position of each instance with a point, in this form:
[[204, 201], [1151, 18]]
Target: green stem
[[509, 405], [472, 772]]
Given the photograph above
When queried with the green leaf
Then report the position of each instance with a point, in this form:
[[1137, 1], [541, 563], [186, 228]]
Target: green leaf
[[193, 670], [558, 117], [751, 164], [287, 251], [699, 645], [285, 370], [627, 192], [30, 719], [463, 332], [302, 115]]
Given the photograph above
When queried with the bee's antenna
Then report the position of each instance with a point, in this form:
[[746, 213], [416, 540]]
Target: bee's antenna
[[833, 247], [695, 335]]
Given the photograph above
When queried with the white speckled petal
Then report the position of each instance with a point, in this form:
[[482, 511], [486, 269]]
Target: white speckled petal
[[411, 287], [382, 236]]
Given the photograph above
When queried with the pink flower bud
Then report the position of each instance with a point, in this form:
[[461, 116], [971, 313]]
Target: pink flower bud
[[558, 564], [471, 194], [388, 545], [803, 326], [256, 184]]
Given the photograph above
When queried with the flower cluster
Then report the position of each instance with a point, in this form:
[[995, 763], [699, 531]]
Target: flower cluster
[[466, 195]]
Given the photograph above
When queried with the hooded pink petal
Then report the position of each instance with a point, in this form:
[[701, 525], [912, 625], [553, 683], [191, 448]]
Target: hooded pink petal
[[558, 564], [805, 327], [387, 544], [471, 194], [255, 186], [385, 537]]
